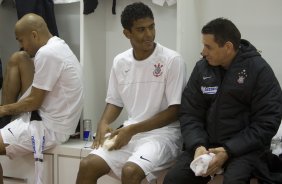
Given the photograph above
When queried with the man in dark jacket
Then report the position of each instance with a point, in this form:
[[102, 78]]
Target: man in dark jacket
[[231, 107]]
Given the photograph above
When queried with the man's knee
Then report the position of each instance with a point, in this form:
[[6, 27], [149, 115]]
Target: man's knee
[[84, 164], [169, 177], [182, 174], [92, 167], [2, 146], [1, 174], [132, 172], [174, 176], [236, 178], [17, 57], [239, 170]]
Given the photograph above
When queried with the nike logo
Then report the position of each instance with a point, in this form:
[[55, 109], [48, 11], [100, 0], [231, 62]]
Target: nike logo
[[144, 159], [10, 131], [204, 78]]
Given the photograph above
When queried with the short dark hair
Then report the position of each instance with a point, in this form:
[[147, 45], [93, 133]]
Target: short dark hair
[[134, 12], [223, 30]]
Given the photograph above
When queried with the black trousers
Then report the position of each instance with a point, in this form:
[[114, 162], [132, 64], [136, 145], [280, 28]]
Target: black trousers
[[237, 171]]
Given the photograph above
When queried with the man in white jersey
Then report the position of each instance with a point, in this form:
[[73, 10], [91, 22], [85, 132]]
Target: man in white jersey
[[147, 80], [50, 83]]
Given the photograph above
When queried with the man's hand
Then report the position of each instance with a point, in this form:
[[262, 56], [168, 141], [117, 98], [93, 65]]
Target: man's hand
[[2, 112], [124, 135], [201, 150], [102, 130], [218, 160]]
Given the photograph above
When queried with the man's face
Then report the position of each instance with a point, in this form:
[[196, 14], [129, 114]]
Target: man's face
[[142, 34], [27, 42], [214, 54]]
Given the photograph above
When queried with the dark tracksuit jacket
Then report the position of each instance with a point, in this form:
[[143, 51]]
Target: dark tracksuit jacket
[[239, 108]]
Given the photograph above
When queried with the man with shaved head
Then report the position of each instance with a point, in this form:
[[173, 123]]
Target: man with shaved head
[[45, 78]]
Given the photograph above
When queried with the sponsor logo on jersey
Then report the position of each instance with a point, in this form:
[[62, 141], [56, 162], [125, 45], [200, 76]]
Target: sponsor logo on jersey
[[209, 90]]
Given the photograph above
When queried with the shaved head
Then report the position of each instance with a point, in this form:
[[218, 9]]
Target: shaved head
[[32, 33], [31, 22]]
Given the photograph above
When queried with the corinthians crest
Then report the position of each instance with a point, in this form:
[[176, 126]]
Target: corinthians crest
[[242, 76], [158, 70]]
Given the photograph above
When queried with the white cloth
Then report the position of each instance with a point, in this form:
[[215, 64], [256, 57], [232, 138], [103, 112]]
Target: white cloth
[[18, 136], [64, 1], [200, 164], [276, 144], [37, 132], [58, 71], [146, 87], [161, 2], [25, 136], [161, 149], [108, 143]]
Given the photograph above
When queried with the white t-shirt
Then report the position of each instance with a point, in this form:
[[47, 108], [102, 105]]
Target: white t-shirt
[[144, 88], [58, 71]]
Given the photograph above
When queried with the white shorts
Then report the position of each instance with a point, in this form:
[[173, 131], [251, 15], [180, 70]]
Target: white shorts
[[153, 151], [17, 135]]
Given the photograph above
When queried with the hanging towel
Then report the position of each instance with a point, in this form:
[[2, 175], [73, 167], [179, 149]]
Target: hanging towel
[[161, 2], [37, 135], [170, 2]]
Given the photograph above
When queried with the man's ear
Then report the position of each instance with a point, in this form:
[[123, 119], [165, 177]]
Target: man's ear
[[34, 34], [229, 46], [126, 33]]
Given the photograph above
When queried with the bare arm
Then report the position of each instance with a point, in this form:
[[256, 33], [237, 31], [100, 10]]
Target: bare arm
[[159, 120], [32, 102], [110, 114]]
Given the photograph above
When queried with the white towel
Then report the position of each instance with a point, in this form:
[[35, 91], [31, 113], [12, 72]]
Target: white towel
[[170, 2], [108, 143], [200, 164], [276, 143], [38, 143], [161, 2]]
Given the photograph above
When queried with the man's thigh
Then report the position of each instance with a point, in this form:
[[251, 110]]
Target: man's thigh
[[239, 170], [150, 153], [15, 139], [18, 76], [17, 136], [182, 174]]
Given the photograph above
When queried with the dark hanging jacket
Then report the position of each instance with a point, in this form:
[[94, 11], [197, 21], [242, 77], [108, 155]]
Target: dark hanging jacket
[[44, 8]]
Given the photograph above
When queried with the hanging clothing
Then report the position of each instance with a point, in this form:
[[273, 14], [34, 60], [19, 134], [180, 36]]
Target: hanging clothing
[[44, 8], [161, 2], [114, 7], [89, 6]]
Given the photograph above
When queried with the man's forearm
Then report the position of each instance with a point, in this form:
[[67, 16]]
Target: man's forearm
[[17, 108], [159, 120]]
